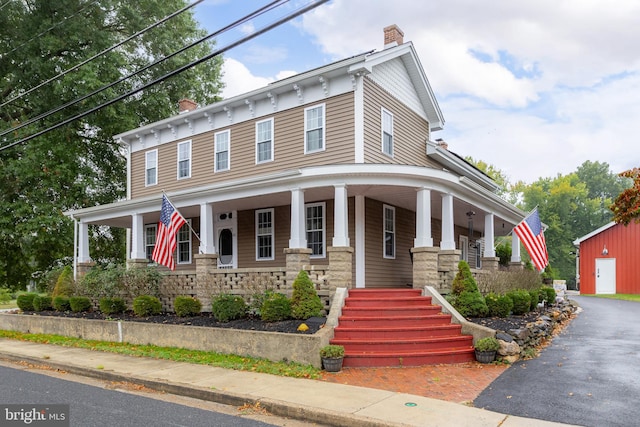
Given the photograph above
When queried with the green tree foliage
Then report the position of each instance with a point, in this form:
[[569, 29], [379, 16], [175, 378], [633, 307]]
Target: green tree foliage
[[79, 164], [305, 302], [627, 204], [467, 299], [65, 284], [464, 280]]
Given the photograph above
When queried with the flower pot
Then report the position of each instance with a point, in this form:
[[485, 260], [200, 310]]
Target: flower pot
[[485, 356], [332, 364]]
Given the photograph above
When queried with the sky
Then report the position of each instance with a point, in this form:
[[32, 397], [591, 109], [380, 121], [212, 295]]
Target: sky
[[532, 87]]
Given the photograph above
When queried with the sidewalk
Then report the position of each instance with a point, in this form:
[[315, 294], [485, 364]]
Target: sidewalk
[[314, 401]]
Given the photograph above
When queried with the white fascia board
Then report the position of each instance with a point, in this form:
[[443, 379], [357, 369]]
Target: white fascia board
[[593, 233]]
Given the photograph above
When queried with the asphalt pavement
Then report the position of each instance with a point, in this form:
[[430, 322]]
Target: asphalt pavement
[[588, 376]]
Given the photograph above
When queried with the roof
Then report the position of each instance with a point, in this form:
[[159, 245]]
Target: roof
[[593, 233]]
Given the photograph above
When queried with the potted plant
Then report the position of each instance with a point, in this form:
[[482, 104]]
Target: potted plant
[[332, 356], [486, 349]]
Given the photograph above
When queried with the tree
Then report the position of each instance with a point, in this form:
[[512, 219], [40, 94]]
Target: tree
[[79, 164], [508, 191], [602, 184], [627, 205]]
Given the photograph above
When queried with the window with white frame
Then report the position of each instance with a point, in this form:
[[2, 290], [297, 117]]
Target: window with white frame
[[315, 228], [264, 141], [387, 132], [184, 160], [314, 129], [150, 232], [264, 234], [389, 231], [222, 150], [151, 168], [184, 243]]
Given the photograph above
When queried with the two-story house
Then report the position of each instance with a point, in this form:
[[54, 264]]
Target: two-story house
[[334, 170]]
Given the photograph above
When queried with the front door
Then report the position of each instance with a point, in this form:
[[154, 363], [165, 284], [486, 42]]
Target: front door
[[226, 240], [605, 276]]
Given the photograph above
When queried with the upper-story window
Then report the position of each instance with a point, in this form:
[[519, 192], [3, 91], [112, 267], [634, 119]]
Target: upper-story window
[[314, 129], [150, 232], [184, 160], [264, 234], [222, 150], [316, 229], [389, 231], [387, 132], [184, 243], [151, 168], [264, 141]]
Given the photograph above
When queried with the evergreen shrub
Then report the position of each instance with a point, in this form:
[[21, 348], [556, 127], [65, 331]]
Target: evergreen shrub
[[471, 304], [548, 294], [65, 283], [61, 303], [305, 302], [535, 296], [464, 280], [5, 295], [112, 305], [226, 307], [42, 303], [498, 305], [146, 305], [521, 301], [25, 301], [187, 306], [276, 308], [79, 304]]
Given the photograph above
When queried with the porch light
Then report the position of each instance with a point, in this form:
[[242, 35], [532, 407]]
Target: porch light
[[605, 251]]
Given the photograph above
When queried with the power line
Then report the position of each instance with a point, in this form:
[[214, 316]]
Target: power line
[[253, 35], [75, 67], [256, 13]]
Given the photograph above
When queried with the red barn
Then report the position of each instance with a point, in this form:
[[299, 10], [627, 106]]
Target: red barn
[[609, 260]]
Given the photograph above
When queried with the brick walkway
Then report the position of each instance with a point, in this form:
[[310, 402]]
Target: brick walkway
[[459, 383]]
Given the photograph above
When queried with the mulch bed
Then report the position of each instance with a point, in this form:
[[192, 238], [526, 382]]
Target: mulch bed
[[505, 324]]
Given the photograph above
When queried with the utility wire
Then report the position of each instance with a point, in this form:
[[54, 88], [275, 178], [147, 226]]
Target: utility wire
[[256, 13], [75, 67], [173, 73], [3, 6]]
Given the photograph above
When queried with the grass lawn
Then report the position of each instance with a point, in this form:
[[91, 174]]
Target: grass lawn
[[625, 297]]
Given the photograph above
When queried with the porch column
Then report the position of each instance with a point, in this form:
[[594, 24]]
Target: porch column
[[137, 237], [83, 243], [207, 245], [341, 216], [516, 261], [423, 219], [360, 242], [298, 237], [489, 260], [448, 235]]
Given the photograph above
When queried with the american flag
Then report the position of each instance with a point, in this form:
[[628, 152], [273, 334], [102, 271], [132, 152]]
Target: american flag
[[170, 223], [532, 237]]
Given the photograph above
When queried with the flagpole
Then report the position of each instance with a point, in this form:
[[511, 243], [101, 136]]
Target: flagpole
[[185, 220]]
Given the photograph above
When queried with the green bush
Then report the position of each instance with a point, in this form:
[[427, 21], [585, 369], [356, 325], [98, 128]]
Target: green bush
[[257, 300], [42, 303], [61, 303], [521, 301], [102, 282], [5, 295], [112, 305], [79, 304], [487, 344], [305, 302], [500, 281], [226, 307], [464, 280], [187, 306], [275, 308], [147, 305], [65, 284], [535, 295], [25, 301], [548, 294], [498, 305], [471, 304]]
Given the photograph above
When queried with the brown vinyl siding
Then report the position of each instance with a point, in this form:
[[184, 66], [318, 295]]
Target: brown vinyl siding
[[383, 272], [288, 149], [410, 131]]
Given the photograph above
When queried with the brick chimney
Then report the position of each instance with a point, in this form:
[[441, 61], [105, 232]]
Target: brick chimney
[[442, 144], [185, 105], [392, 36]]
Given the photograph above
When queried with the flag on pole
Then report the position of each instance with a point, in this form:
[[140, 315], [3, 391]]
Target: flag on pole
[[532, 237], [170, 223]]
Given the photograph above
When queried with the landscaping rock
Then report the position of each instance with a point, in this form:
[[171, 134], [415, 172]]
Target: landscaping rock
[[502, 336]]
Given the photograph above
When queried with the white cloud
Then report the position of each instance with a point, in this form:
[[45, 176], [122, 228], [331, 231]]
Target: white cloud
[[238, 79]]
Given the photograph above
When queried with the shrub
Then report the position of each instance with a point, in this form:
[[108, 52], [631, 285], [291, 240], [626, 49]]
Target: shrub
[[42, 303], [227, 307], [487, 344], [61, 303], [102, 282], [64, 284], [549, 294], [275, 308], [25, 301], [332, 351], [79, 304], [141, 281], [535, 295], [305, 302], [257, 300], [147, 305], [5, 295], [521, 301], [464, 280], [498, 305], [187, 306], [500, 282], [112, 305], [471, 304]]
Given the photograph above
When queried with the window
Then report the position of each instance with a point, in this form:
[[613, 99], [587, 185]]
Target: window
[[314, 129], [387, 132], [264, 141], [222, 151], [389, 231], [316, 229], [184, 243], [184, 160], [264, 234], [151, 168], [150, 232]]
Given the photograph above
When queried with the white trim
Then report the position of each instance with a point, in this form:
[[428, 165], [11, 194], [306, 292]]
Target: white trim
[[147, 228], [593, 233], [323, 127], [178, 159], [324, 227], [146, 168], [186, 227], [215, 150], [271, 211], [388, 208], [360, 240], [271, 141], [358, 119], [384, 112]]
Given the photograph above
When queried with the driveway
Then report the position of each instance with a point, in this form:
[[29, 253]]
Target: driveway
[[589, 375]]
